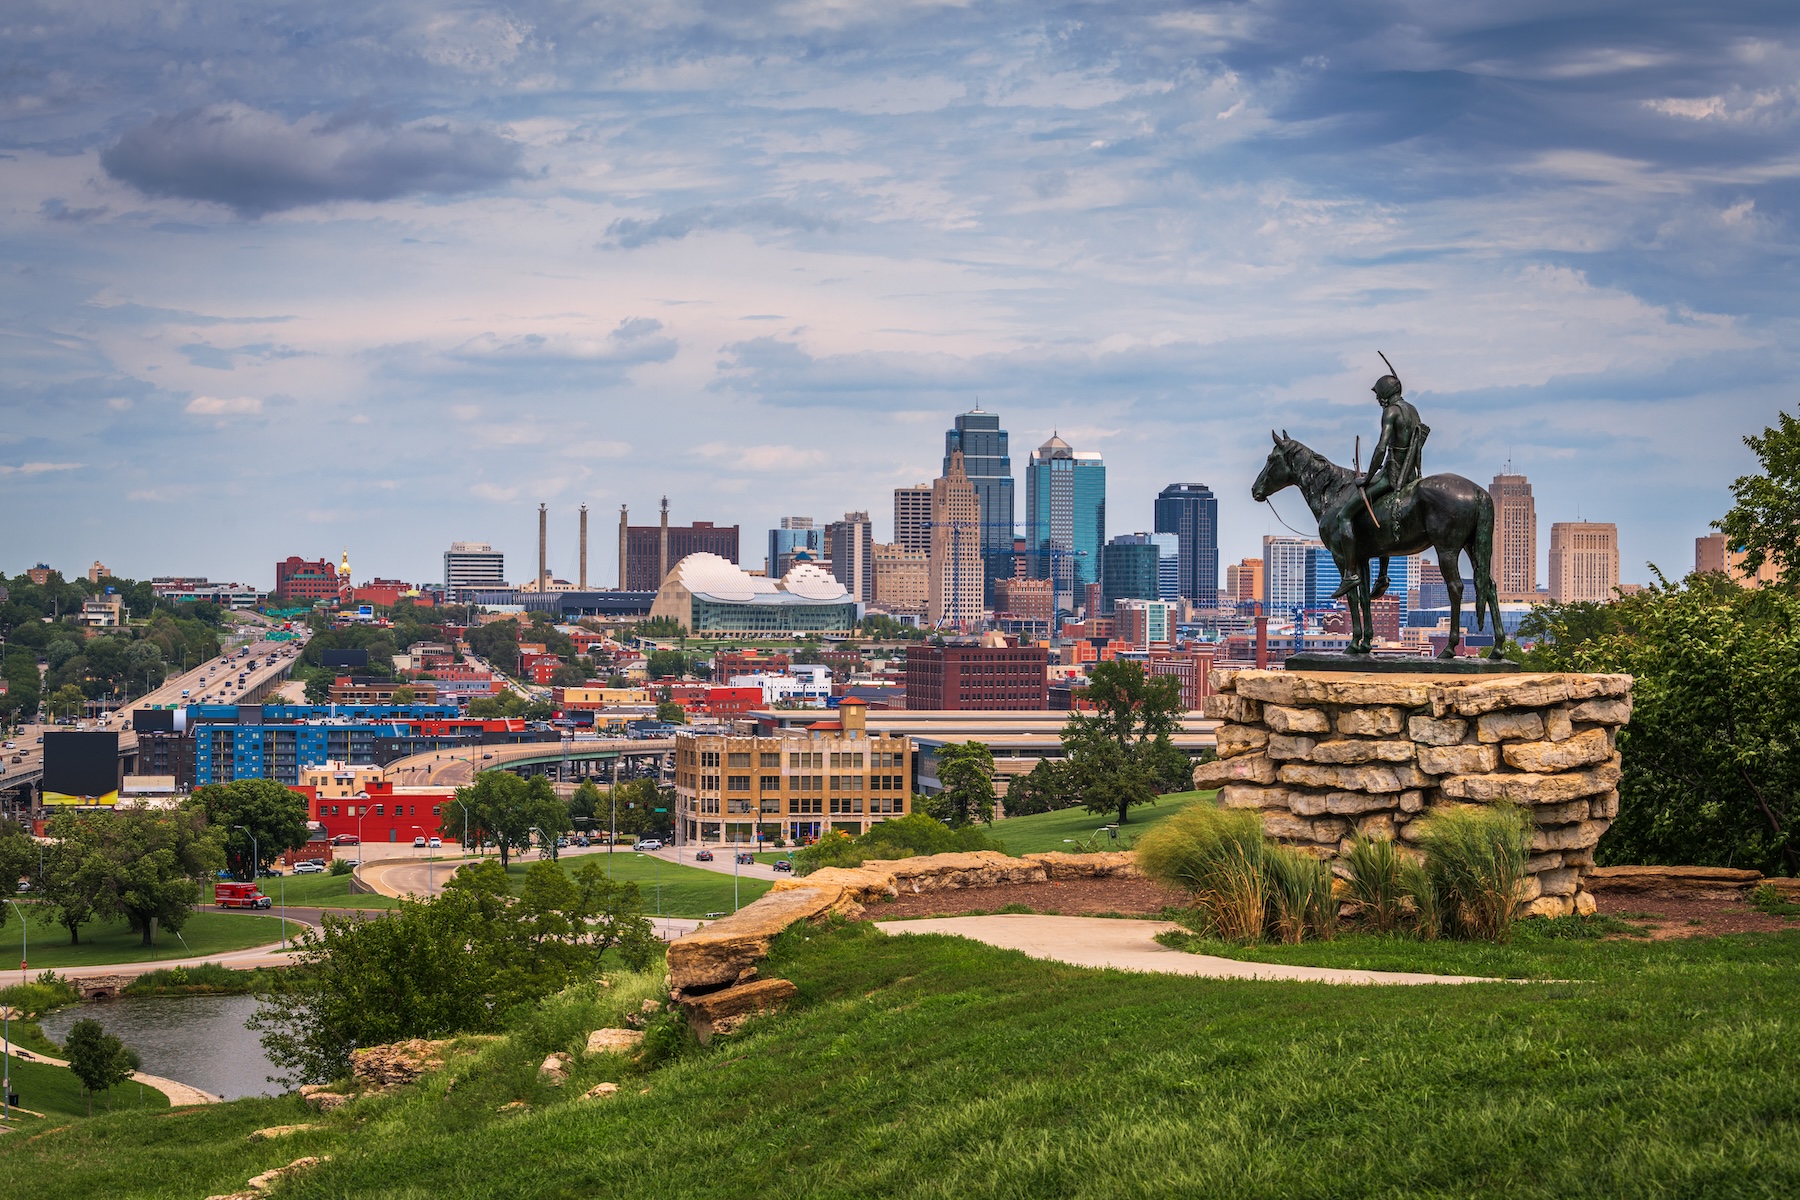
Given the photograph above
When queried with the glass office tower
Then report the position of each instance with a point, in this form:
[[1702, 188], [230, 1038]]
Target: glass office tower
[[989, 468], [1191, 512], [1065, 518]]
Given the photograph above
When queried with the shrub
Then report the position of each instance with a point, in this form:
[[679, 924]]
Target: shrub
[[50, 991], [1476, 861], [1428, 912], [340, 866], [1217, 856], [1374, 884], [1300, 899], [901, 837], [1767, 898]]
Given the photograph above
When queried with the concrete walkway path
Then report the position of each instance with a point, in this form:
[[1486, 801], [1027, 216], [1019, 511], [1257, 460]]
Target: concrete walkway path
[[178, 1093], [1130, 946]]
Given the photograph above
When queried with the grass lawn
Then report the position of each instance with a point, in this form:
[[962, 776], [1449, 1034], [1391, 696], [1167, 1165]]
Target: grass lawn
[[323, 891], [55, 1092], [1060, 830], [937, 1067], [685, 891], [114, 942]]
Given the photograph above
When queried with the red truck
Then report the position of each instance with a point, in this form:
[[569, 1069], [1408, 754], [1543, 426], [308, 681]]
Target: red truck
[[240, 895]]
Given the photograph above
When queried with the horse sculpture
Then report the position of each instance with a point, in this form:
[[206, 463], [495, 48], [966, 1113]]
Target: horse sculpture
[[1448, 513]]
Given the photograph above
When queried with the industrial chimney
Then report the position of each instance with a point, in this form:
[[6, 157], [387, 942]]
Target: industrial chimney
[[583, 576], [543, 547]]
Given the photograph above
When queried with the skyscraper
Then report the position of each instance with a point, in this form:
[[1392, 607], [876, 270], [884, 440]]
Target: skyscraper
[[955, 566], [1130, 568], [912, 517], [473, 565], [1584, 561], [1244, 580], [796, 533], [1284, 573], [1065, 517], [1191, 512], [1515, 537], [984, 449], [852, 542]]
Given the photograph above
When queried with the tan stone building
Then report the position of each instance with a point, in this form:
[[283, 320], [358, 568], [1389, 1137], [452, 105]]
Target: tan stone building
[[1244, 580], [900, 578], [1515, 538], [912, 517], [1712, 554], [955, 596], [798, 784], [1584, 561]]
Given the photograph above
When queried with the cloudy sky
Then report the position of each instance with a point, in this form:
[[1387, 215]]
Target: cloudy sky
[[293, 278]]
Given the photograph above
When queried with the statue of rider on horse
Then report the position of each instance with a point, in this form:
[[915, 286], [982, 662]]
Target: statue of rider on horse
[[1390, 510]]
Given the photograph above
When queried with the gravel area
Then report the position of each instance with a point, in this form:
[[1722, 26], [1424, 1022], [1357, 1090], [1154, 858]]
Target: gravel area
[[1136, 897], [1691, 918]]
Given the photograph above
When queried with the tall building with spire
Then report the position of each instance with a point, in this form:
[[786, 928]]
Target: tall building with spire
[[1190, 511], [989, 467], [954, 568], [1515, 537], [1065, 518]]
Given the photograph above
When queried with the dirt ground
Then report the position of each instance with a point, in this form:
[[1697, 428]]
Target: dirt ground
[[1140, 897], [1069, 898], [1691, 918]]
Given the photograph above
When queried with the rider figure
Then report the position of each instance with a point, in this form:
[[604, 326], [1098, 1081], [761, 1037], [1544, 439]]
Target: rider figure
[[1393, 465]]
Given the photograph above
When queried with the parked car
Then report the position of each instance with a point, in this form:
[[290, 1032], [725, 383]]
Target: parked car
[[311, 866], [582, 841], [746, 860], [346, 839], [435, 843], [649, 844], [703, 856], [418, 843], [782, 864]]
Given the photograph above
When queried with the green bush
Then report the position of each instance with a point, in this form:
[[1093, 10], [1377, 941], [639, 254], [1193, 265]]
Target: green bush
[[1300, 899], [901, 837], [205, 979], [1768, 899], [1375, 883], [1217, 856], [49, 991], [1476, 861], [340, 866]]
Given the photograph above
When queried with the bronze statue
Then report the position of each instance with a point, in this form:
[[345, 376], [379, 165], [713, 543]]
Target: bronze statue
[[1391, 509]]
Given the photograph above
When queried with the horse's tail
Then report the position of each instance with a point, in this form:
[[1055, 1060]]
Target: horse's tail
[[1481, 558]]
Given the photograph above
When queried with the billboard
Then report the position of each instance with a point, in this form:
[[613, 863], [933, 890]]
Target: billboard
[[343, 658], [81, 768]]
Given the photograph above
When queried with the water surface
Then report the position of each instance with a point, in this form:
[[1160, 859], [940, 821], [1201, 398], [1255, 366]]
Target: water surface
[[196, 1040]]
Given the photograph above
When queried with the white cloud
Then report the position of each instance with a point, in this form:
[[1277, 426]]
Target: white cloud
[[760, 458], [224, 406], [39, 468]]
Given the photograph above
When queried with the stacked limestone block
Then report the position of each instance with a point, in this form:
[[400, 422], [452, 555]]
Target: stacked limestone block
[[1325, 756]]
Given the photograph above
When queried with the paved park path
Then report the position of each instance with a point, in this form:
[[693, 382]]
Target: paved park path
[[178, 1093], [1127, 945]]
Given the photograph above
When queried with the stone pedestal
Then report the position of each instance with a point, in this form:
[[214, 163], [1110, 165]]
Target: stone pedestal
[[1327, 755]]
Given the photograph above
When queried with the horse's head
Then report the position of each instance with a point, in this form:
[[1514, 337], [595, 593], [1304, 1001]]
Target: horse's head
[[1277, 473]]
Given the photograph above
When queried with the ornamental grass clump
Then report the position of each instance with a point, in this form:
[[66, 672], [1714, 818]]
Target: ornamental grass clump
[[1476, 861], [1218, 856], [1300, 899], [1374, 884]]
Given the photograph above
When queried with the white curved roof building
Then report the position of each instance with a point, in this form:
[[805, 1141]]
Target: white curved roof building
[[711, 595]]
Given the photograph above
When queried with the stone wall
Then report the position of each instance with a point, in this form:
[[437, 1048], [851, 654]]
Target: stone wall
[[1325, 756]]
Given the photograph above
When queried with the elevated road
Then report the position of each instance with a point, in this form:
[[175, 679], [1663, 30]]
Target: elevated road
[[457, 767]]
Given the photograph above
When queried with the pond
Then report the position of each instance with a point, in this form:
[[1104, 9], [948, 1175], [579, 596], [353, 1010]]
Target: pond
[[196, 1040]]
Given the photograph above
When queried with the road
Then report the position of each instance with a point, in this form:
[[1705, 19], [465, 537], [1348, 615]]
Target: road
[[457, 767]]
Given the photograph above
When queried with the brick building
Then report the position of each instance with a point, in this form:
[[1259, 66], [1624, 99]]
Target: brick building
[[306, 580], [988, 673]]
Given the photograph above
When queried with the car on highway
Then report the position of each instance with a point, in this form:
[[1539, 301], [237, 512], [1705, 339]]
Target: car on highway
[[346, 839], [650, 844], [782, 864], [703, 856], [311, 866]]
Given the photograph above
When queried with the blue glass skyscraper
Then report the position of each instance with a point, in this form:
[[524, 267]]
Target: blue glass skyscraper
[[1065, 518], [1190, 511], [989, 468]]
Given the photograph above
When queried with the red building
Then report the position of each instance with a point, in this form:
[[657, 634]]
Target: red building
[[297, 578], [377, 811], [988, 674], [538, 668], [727, 663], [1191, 667], [703, 699], [387, 592]]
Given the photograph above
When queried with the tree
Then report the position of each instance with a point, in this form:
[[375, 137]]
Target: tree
[[1765, 521], [1711, 757], [153, 862], [670, 712], [1120, 755], [586, 802], [1041, 790], [98, 1059], [612, 916], [662, 627], [18, 858], [666, 663], [966, 769], [505, 808], [274, 814], [68, 700], [404, 694], [73, 886]]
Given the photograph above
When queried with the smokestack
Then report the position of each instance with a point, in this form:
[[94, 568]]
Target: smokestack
[[624, 539], [662, 547], [1262, 639], [543, 546], [583, 576]]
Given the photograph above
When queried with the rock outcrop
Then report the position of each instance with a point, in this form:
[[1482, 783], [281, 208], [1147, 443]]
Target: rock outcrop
[[723, 1011]]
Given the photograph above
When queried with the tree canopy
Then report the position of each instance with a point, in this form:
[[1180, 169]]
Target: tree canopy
[[966, 771], [504, 809], [1765, 521], [274, 814], [1121, 755]]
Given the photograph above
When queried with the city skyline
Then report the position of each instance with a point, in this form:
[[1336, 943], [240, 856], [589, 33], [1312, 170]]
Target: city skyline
[[391, 278]]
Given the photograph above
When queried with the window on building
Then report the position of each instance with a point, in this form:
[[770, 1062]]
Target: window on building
[[737, 806], [709, 758], [770, 760], [805, 805], [378, 810], [709, 804], [738, 758], [771, 804], [737, 783], [770, 783]]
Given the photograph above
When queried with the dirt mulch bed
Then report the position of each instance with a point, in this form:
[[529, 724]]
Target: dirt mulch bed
[[1071, 897], [1691, 918]]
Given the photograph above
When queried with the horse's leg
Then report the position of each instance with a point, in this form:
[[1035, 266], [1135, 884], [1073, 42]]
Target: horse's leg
[[1362, 633], [1452, 573], [1481, 555], [1381, 584]]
